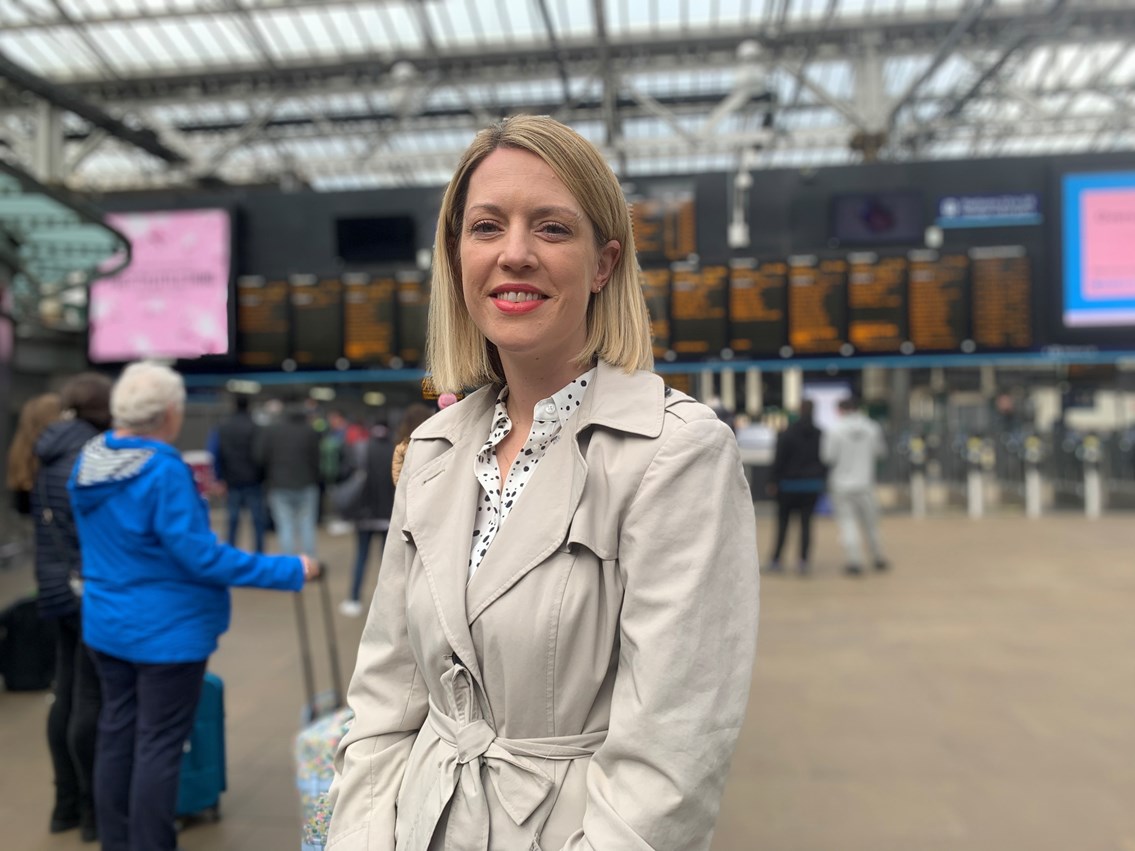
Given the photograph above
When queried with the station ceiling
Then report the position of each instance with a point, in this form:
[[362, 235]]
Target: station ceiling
[[336, 94]]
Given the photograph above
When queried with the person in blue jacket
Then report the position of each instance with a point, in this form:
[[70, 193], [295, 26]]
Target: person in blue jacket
[[155, 601]]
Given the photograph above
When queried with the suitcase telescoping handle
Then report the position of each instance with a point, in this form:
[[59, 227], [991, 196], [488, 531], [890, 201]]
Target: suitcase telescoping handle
[[313, 710]]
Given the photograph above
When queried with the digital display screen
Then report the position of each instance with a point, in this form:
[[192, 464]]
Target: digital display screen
[[413, 315], [876, 302], [368, 318], [172, 301], [317, 320], [665, 224], [758, 295], [939, 300], [817, 304], [699, 300], [1002, 297], [1099, 249], [375, 239], [262, 321], [881, 218], [656, 290]]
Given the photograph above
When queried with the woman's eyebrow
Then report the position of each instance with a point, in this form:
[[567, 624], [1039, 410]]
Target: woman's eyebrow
[[538, 212]]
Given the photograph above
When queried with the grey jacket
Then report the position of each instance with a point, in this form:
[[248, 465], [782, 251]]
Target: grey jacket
[[584, 690], [851, 448]]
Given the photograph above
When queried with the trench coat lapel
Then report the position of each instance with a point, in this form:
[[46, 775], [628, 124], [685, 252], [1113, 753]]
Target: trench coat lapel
[[536, 527], [441, 506], [539, 523]]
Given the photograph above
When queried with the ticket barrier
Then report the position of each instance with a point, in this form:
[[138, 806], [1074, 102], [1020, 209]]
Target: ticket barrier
[[917, 457], [980, 460], [1090, 454], [1034, 494]]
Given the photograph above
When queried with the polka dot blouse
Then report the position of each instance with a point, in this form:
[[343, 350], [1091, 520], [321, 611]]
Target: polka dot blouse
[[549, 417]]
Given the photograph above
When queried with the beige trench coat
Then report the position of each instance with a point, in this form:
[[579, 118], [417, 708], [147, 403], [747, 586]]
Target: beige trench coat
[[584, 690]]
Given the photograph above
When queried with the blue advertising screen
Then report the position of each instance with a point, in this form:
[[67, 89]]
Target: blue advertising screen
[[1098, 229]]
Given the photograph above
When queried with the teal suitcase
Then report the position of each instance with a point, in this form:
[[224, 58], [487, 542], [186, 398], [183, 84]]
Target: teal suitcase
[[203, 775]]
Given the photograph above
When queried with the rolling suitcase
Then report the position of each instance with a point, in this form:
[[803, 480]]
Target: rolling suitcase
[[203, 775], [324, 722]]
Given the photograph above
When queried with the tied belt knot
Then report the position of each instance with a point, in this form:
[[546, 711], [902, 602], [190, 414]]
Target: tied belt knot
[[473, 740], [515, 768]]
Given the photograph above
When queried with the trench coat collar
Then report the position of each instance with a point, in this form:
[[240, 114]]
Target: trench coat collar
[[443, 495], [634, 403]]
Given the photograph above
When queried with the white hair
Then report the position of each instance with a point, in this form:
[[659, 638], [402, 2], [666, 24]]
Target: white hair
[[143, 394]]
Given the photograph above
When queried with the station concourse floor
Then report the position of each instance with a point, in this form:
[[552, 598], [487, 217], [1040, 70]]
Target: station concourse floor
[[979, 696]]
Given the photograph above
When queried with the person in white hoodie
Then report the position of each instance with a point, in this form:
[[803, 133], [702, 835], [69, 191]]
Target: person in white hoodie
[[850, 449]]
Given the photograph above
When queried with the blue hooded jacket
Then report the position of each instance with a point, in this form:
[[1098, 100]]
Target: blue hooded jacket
[[155, 576]]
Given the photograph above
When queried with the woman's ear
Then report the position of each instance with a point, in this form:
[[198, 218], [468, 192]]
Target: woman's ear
[[608, 256]]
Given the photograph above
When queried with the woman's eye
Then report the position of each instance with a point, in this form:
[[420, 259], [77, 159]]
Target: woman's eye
[[483, 227], [555, 229]]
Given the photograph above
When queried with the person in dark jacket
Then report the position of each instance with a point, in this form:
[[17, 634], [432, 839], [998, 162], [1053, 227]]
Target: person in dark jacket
[[72, 720], [155, 601], [798, 480], [36, 415], [236, 467], [371, 513], [288, 452]]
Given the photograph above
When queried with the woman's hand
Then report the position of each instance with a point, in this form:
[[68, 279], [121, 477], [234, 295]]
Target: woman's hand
[[311, 568]]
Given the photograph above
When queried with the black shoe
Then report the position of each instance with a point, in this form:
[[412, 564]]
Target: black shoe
[[882, 564], [853, 570], [88, 830], [774, 567], [62, 824], [804, 568]]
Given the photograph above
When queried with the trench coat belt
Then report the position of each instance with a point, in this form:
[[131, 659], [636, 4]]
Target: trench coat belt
[[514, 768]]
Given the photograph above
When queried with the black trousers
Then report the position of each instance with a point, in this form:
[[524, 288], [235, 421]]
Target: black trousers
[[147, 714], [788, 504], [72, 721]]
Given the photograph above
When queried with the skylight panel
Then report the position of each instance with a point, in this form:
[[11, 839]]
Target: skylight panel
[[349, 30], [451, 23], [402, 27], [283, 35]]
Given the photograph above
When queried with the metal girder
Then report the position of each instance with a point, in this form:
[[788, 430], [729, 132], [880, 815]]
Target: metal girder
[[945, 51], [64, 98], [1056, 20], [610, 79], [818, 145], [251, 32], [565, 78], [911, 35], [85, 37]]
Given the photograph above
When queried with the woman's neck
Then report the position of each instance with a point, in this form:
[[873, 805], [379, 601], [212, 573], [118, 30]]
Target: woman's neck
[[530, 382]]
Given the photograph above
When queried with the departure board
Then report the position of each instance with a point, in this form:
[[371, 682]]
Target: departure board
[[317, 320], [413, 315], [1002, 297], [939, 300], [665, 227], [656, 290], [262, 321], [876, 302], [817, 304], [368, 318], [698, 302], [757, 299]]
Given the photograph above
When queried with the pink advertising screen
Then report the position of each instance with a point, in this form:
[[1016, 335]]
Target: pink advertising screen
[[1099, 250], [172, 301]]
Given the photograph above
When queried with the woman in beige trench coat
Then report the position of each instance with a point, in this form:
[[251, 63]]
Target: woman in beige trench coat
[[576, 676]]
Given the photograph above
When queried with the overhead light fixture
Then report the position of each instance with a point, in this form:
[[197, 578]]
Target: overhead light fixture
[[374, 398], [242, 386], [322, 394]]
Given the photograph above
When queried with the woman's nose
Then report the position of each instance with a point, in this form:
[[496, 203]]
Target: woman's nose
[[517, 250]]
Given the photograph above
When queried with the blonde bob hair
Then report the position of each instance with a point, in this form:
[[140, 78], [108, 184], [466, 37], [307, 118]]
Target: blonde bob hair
[[618, 325]]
